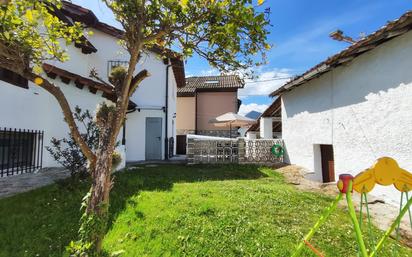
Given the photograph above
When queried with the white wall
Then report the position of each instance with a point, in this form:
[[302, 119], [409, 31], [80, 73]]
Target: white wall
[[266, 127], [251, 135], [36, 109], [136, 131], [151, 94], [362, 108], [172, 114]]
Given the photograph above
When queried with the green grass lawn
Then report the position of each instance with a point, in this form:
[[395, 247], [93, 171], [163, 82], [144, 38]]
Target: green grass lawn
[[182, 211]]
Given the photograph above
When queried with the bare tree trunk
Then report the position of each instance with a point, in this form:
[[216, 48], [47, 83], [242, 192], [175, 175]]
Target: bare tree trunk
[[98, 202]]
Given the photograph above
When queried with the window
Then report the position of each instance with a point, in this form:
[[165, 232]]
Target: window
[[13, 78], [113, 64], [20, 151]]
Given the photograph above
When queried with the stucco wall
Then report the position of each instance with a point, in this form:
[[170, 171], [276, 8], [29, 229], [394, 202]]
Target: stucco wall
[[172, 113], [186, 113], [36, 109], [212, 104], [363, 109], [150, 98]]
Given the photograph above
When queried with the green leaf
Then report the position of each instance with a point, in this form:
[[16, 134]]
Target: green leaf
[[183, 3]]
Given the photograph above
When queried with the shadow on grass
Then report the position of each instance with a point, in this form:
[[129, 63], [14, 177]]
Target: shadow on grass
[[162, 178], [42, 222]]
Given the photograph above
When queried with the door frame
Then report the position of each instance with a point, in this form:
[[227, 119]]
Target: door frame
[[181, 144], [160, 154], [327, 163]]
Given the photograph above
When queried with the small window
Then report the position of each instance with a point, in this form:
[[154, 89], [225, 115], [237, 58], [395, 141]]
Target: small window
[[113, 64], [13, 78]]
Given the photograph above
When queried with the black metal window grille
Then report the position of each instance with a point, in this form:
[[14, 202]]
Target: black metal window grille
[[21, 151], [114, 64]]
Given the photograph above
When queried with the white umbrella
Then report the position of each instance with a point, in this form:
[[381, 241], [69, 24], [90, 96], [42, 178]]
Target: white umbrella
[[231, 119]]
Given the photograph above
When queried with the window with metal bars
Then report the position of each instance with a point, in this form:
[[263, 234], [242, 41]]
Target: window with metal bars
[[20, 151], [113, 64]]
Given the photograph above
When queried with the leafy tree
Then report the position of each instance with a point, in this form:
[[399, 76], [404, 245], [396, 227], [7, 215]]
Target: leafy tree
[[67, 152], [230, 34]]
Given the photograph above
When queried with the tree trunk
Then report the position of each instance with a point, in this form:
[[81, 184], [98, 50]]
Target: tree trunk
[[98, 202]]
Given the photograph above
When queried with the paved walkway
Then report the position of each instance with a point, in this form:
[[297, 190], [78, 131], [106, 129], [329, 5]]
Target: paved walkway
[[25, 182], [177, 159]]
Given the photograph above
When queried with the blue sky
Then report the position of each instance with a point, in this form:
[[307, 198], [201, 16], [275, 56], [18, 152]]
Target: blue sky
[[300, 35]]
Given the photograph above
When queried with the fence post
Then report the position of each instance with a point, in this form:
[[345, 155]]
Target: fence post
[[190, 151], [241, 150]]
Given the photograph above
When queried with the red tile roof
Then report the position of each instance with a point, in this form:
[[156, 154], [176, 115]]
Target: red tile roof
[[194, 84]]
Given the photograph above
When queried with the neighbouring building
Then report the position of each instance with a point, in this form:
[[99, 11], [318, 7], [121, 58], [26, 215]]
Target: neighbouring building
[[203, 99], [356, 106], [30, 116], [269, 123]]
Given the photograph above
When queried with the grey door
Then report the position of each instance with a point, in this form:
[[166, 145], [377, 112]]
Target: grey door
[[153, 138]]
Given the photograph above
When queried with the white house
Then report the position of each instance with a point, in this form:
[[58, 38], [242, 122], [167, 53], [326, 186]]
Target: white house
[[344, 113], [25, 107]]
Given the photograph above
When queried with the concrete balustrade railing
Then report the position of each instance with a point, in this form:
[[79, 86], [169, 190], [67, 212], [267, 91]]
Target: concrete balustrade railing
[[225, 150]]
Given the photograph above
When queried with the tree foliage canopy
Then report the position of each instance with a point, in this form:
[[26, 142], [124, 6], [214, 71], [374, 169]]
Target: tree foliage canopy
[[30, 33], [230, 34]]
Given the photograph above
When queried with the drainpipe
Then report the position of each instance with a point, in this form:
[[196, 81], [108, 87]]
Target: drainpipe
[[195, 113], [166, 113]]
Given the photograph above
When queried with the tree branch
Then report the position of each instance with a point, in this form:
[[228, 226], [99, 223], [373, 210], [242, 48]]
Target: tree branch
[[95, 75], [123, 98], [68, 115], [137, 80]]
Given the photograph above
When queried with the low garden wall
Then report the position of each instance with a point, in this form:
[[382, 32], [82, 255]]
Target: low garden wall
[[239, 150]]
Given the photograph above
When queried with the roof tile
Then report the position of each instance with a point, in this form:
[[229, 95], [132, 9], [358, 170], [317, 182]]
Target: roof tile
[[210, 82]]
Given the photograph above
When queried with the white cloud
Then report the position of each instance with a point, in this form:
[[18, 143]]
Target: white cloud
[[246, 108], [209, 72], [266, 83]]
